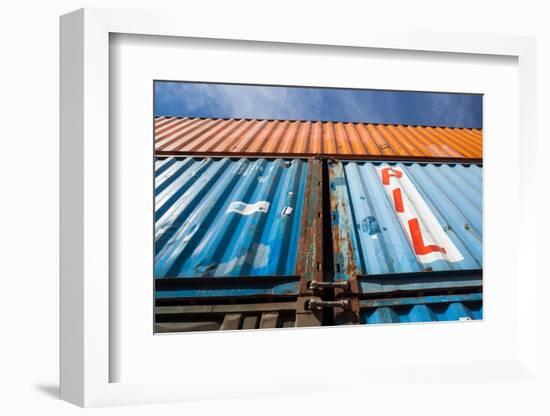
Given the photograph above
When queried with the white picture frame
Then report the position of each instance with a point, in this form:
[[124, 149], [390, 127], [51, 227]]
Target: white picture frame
[[86, 353]]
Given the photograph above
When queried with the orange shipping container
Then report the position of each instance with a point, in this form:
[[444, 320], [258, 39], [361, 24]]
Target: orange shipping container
[[286, 138]]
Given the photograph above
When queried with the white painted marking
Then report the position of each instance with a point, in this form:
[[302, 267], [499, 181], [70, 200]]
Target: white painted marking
[[286, 211], [243, 208], [415, 207]]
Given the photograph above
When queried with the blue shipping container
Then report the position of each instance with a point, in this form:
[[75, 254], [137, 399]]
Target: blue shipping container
[[406, 217], [228, 218]]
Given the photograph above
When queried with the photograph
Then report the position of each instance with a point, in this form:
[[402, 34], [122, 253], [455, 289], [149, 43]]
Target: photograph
[[302, 206]]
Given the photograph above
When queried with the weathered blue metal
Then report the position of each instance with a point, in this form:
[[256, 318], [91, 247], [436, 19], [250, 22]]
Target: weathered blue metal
[[405, 217], [422, 309], [228, 218], [423, 281], [218, 287]]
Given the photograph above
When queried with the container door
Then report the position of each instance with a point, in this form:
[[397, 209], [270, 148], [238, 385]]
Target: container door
[[409, 232], [236, 242]]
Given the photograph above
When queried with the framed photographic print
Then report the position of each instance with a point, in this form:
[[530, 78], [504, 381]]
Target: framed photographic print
[[280, 206], [237, 210]]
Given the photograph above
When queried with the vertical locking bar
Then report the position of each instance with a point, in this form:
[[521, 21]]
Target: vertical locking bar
[[310, 246]]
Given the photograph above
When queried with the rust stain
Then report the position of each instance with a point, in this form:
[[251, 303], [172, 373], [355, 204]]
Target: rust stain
[[175, 135], [341, 230], [310, 242]]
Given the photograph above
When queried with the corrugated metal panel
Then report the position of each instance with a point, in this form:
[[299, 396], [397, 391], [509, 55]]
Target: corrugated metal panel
[[420, 282], [220, 287], [228, 218], [309, 138], [184, 318], [405, 217], [422, 309]]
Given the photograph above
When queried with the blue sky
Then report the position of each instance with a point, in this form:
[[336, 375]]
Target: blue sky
[[326, 104]]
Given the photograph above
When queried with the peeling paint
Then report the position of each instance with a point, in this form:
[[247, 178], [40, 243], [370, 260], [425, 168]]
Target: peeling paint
[[370, 225]]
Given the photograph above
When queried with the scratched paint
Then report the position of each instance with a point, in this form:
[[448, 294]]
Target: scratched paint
[[446, 199], [227, 217]]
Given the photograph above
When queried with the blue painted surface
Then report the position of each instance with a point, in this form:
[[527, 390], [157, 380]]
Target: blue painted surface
[[423, 309], [411, 282], [197, 234], [241, 290], [452, 192]]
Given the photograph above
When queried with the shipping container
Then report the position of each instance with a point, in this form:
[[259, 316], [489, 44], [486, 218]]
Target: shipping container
[[270, 243], [287, 138], [228, 217], [406, 217], [406, 236], [236, 243], [235, 227]]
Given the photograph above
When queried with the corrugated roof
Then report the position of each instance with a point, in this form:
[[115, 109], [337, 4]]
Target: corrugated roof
[[175, 135], [405, 217], [227, 217], [422, 309]]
